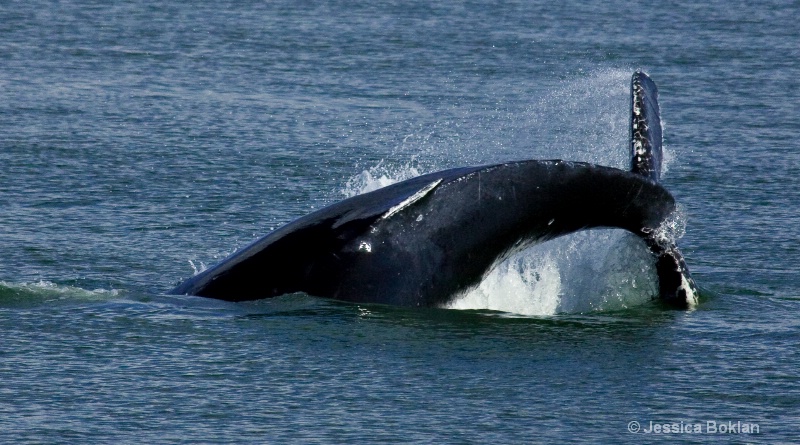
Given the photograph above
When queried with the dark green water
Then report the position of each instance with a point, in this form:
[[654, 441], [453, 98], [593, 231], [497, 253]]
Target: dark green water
[[140, 141]]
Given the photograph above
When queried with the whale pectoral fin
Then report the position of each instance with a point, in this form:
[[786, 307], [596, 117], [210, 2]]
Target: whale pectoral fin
[[676, 286], [645, 129]]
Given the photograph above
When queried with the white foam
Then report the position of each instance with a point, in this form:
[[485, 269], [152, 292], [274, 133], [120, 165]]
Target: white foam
[[524, 284], [49, 291]]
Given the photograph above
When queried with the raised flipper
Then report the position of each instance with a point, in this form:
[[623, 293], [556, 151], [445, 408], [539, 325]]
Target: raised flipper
[[646, 138], [676, 286]]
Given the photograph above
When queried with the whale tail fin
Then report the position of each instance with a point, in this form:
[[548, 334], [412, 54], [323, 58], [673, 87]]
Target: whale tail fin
[[676, 286], [645, 127]]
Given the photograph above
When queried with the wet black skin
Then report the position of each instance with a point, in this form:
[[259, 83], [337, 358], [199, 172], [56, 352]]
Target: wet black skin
[[442, 244]]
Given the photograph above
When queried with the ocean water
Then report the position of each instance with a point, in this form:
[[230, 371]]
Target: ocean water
[[143, 141]]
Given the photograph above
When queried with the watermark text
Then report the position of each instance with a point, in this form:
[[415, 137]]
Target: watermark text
[[703, 427]]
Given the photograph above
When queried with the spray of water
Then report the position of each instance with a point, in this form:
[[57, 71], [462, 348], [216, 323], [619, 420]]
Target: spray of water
[[379, 176]]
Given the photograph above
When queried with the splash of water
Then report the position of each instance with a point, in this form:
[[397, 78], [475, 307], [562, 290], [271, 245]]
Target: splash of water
[[673, 228], [596, 270], [379, 176], [197, 269]]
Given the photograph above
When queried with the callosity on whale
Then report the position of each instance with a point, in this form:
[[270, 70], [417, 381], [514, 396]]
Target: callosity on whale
[[423, 241]]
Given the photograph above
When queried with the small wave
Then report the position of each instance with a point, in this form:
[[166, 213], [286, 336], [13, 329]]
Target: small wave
[[27, 294]]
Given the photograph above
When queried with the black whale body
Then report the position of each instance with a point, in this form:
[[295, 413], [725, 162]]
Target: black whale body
[[423, 241]]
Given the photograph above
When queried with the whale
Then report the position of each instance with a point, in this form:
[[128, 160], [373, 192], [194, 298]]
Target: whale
[[425, 241]]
